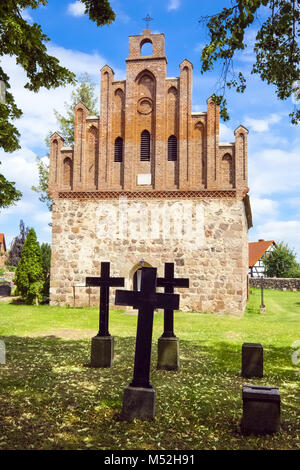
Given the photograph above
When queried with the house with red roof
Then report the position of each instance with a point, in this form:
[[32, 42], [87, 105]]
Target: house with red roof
[[256, 252], [3, 254]]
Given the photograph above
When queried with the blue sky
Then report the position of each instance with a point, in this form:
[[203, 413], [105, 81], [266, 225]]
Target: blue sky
[[273, 153]]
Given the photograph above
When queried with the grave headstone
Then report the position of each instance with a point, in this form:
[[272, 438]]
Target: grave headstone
[[139, 396], [261, 410], [252, 360], [102, 349], [5, 290], [168, 343]]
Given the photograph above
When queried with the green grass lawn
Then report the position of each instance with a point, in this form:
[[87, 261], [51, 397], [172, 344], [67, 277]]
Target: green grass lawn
[[50, 399]]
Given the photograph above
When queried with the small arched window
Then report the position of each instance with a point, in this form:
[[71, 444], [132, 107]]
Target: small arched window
[[172, 148], [119, 149], [145, 146]]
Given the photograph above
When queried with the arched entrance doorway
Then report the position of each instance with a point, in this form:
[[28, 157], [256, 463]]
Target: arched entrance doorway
[[136, 274]]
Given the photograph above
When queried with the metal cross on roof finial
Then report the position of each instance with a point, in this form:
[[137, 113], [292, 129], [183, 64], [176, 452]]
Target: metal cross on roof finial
[[147, 19]]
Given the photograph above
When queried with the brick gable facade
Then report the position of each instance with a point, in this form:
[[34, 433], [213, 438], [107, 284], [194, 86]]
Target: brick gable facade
[[148, 146]]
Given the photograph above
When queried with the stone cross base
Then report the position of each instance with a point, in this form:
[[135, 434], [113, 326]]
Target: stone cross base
[[168, 353], [262, 309], [261, 410], [138, 403], [102, 351]]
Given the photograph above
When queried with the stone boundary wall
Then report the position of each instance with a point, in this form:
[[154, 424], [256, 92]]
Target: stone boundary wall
[[276, 283]]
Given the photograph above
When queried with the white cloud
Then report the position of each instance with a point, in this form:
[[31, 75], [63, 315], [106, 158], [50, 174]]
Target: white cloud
[[261, 125], [77, 61], [274, 171], [81, 62], [286, 231], [263, 208], [248, 55], [226, 134], [76, 9], [22, 209], [26, 16], [43, 217], [20, 167], [173, 5]]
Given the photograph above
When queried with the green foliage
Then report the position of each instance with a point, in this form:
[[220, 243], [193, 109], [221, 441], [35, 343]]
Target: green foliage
[[9, 268], [281, 262], [42, 188], [99, 11], [27, 43], [52, 400], [276, 47], [46, 264], [84, 93], [9, 195], [29, 273]]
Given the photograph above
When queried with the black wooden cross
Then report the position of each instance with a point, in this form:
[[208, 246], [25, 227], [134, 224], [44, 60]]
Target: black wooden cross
[[169, 282], [104, 282], [146, 300]]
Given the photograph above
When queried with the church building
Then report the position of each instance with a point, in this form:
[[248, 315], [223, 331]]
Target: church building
[[148, 182]]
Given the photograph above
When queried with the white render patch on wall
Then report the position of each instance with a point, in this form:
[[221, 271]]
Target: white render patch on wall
[[213, 256]]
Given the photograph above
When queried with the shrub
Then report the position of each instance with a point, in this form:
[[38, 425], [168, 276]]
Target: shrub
[[29, 273]]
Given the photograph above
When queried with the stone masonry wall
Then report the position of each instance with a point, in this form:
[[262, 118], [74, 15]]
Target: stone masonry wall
[[211, 248], [275, 283]]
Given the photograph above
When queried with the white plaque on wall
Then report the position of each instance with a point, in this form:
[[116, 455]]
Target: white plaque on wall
[[144, 178]]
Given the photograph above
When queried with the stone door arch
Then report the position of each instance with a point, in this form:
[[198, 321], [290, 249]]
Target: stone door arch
[[135, 273]]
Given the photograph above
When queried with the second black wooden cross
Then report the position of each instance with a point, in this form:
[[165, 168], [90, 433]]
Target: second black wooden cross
[[146, 300], [104, 282], [169, 282]]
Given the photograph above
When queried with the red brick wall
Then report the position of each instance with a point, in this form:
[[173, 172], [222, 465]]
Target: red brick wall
[[148, 100]]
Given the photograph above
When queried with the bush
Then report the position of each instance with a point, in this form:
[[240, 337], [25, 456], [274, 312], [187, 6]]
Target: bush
[[10, 268], [46, 263], [281, 262], [29, 273]]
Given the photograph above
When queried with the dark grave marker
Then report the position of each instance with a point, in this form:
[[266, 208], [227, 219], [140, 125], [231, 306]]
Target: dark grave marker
[[139, 396], [103, 343], [5, 290], [261, 410], [168, 343], [252, 360]]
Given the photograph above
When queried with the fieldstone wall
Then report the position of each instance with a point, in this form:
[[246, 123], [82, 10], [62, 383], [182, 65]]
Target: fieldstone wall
[[276, 283], [207, 239]]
